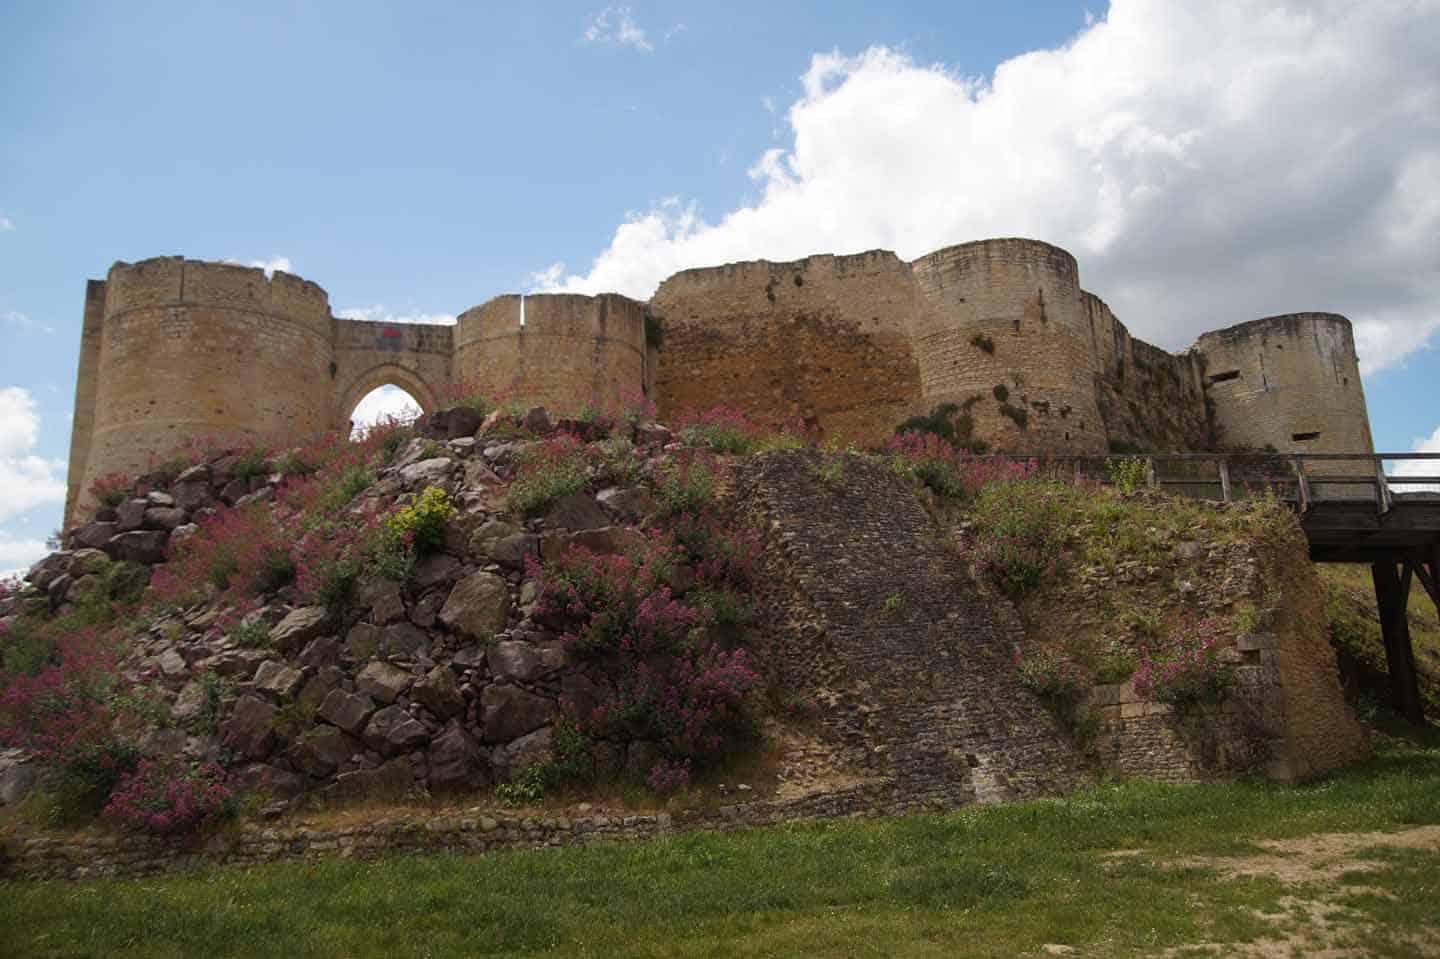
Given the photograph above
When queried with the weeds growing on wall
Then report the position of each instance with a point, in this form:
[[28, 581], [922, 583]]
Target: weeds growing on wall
[[548, 471]]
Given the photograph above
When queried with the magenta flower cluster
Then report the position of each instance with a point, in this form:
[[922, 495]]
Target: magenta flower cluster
[[1191, 664], [164, 798]]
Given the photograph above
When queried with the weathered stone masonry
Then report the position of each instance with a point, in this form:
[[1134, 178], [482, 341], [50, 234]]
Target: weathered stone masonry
[[174, 348]]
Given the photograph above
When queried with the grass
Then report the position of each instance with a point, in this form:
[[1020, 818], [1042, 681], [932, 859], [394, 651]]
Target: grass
[[992, 881], [1355, 630]]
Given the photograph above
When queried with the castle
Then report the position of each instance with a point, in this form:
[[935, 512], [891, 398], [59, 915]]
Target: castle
[[852, 345]]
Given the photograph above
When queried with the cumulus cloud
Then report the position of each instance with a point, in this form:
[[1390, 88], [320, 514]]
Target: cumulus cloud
[[1206, 163], [27, 479], [270, 265], [383, 403], [18, 555], [20, 321], [1423, 444], [617, 25], [379, 313]]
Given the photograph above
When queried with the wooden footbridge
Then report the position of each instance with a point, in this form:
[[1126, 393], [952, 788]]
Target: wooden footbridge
[[1352, 512]]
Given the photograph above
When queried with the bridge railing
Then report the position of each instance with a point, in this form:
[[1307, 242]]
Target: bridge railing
[[1302, 479]]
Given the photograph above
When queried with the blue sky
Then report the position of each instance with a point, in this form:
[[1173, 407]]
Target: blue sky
[[416, 159]]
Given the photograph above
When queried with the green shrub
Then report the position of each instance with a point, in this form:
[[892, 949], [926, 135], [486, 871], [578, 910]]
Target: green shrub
[[254, 635], [687, 485], [548, 471], [982, 342], [423, 521], [253, 462], [1128, 475]]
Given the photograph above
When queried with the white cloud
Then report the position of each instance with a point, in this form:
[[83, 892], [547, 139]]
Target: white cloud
[[21, 321], [378, 313], [281, 263], [6, 224], [1206, 163], [18, 555], [617, 25], [1421, 444], [26, 479], [385, 402]]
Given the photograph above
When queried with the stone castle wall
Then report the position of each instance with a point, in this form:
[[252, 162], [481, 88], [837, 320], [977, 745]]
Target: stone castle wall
[[849, 345], [824, 341], [1291, 382], [569, 351]]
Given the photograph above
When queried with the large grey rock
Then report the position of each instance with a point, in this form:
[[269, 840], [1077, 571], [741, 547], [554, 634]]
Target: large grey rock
[[298, 627], [606, 540], [434, 571], [383, 598], [83, 562], [273, 781], [509, 712], [462, 421], [159, 498], [250, 728], [576, 511], [382, 682], [193, 493], [318, 686], [189, 704], [512, 659], [346, 710], [321, 652], [438, 692], [321, 751], [647, 434], [130, 515], [632, 504], [18, 775], [138, 546], [392, 730], [431, 472], [365, 641], [165, 518], [537, 420], [93, 535], [390, 781], [478, 606], [456, 760], [512, 550], [278, 680], [532, 749]]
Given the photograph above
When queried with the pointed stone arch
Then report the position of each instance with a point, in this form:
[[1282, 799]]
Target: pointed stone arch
[[383, 374]]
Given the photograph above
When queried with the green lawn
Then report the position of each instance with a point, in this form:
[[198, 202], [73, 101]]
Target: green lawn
[[996, 881]]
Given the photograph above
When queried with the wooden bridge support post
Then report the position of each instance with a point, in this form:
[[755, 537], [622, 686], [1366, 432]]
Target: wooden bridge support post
[[1392, 596]]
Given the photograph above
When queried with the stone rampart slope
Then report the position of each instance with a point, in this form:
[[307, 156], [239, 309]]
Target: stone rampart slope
[[884, 625]]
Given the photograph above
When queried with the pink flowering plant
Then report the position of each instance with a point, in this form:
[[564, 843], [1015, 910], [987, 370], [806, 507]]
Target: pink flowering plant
[[671, 681], [68, 709], [1017, 532], [1191, 664], [166, 798], [931, 460]]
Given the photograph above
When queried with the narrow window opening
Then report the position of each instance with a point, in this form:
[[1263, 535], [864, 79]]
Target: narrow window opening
[[1302, 437], [522, 311], [1227, 375]]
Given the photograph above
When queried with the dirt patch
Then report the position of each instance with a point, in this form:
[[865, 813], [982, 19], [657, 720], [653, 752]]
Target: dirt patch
[[1311, 921]]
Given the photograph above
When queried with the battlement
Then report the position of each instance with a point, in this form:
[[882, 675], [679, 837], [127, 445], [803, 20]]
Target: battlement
[[849, 344]]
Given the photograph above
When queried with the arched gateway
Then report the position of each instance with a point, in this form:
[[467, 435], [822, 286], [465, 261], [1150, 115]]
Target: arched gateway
[[174, 349]]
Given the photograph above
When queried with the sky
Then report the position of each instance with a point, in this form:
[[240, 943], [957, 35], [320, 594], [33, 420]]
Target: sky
[[1207, 164]]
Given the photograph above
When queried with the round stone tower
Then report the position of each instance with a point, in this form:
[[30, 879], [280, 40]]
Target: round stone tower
[[562, 350], [1290, 382], [1001, 330], [190, 349]]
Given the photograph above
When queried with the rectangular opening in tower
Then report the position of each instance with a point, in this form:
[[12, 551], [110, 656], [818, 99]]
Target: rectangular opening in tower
[[1303, 437], [1227, 375]]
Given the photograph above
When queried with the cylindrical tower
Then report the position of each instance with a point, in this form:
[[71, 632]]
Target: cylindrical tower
[[1289, 383], [1002, 332], [191, 349], [563, 350]]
